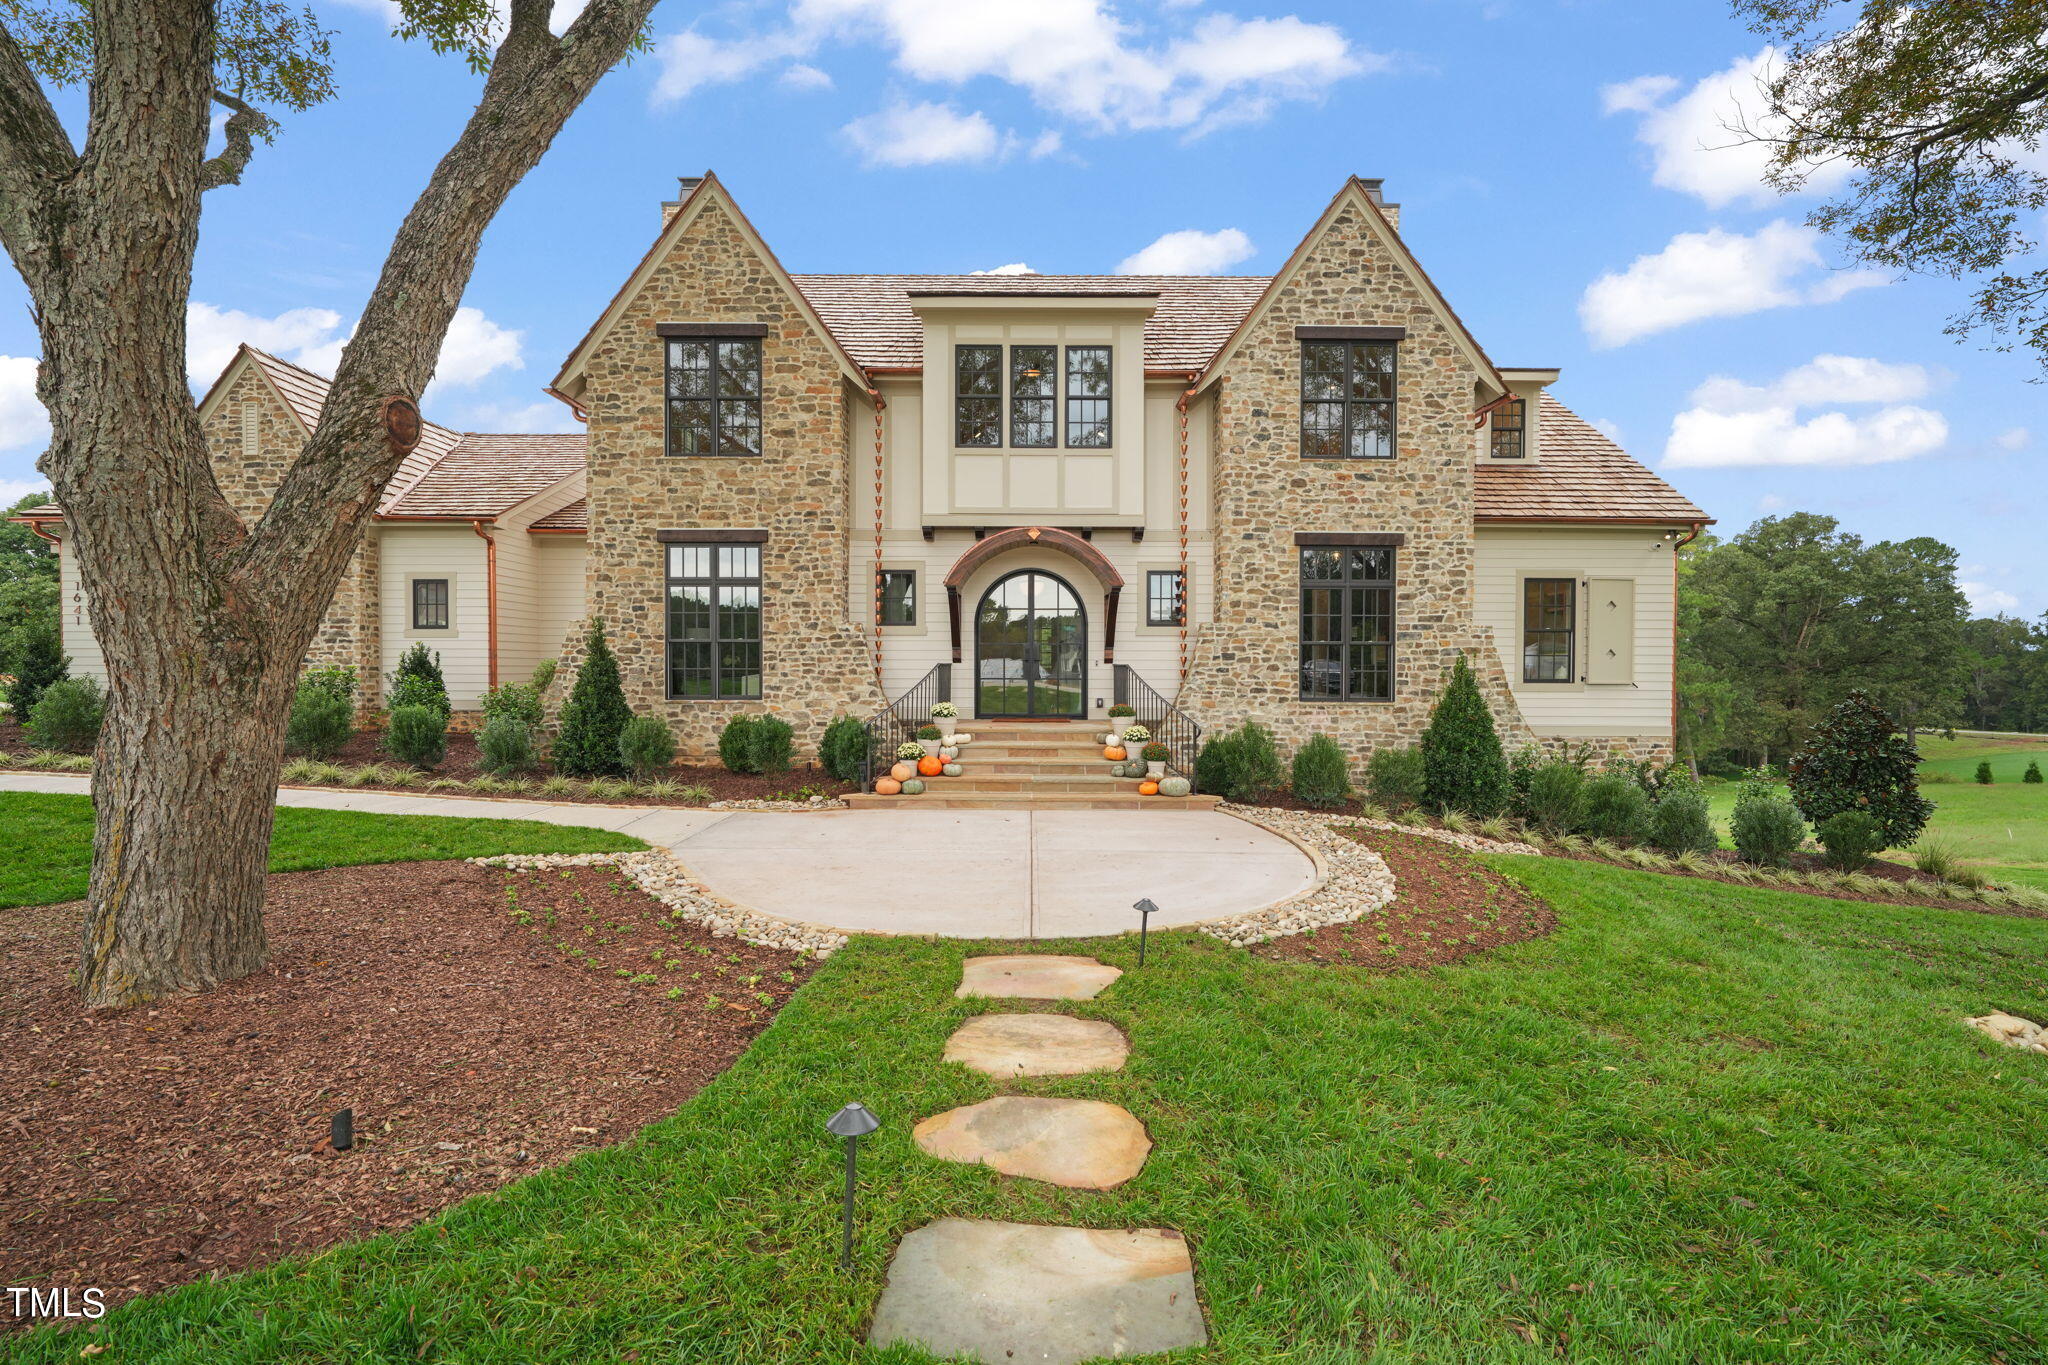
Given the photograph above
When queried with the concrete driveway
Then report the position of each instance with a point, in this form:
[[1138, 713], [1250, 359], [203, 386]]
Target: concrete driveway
[[994, 873]]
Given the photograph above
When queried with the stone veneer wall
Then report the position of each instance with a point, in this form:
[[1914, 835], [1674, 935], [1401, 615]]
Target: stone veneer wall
[[348, 634], [1247, 665], [815, 662]]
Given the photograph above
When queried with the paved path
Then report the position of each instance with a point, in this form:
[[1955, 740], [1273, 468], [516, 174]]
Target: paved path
[[956, 873]]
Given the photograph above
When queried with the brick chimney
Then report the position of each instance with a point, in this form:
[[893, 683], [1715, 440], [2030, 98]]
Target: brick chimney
[[684, 185], [1374, 193]]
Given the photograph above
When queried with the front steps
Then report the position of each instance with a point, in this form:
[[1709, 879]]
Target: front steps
[[1032, 765]]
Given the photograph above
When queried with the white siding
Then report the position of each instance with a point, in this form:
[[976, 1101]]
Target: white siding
[[524, 634], [86, 661], [454, 552], [1637, 554], [559, 602]]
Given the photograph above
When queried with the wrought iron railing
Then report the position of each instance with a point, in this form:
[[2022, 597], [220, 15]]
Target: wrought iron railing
[[901, 719], [1169, 725]]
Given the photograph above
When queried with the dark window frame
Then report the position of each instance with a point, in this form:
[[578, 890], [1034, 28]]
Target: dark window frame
[[1569, 631], [882, 577], [446, 604], [1107, 398], [1177, 615], [1049, 374], [1353, 409], [1365, 584], [718, 400], [961, 397], [1514, 432], [724, 562]]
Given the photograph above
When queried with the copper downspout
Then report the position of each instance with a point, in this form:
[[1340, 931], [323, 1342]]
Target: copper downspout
[[875, 395], [1194, 377], [36, 524], [490, 593], [1689, 538]]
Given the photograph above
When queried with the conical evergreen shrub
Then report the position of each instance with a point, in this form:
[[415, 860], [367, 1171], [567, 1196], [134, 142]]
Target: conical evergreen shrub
[[1463, 766], [1855, 759], [594, 715]]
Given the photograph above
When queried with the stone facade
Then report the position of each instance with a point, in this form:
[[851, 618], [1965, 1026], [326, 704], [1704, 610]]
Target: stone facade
[[815, 662], [1246, 665], [252, 439]]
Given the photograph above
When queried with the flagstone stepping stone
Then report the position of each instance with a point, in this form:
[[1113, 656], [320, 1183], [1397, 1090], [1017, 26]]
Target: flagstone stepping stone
[[1036, 976], [1081, 1144], [1037, 1045], [1022, 1294]]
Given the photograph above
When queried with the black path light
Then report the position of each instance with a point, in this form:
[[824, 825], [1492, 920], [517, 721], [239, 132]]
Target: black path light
[[853, 1123], [341, 1133], [1146, 910]]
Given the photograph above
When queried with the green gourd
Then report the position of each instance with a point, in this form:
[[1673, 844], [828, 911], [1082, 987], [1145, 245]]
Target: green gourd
[[1174, 786], [953, 770], [914, 787]]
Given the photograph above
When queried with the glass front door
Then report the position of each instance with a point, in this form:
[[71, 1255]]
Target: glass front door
[[1031, 648]]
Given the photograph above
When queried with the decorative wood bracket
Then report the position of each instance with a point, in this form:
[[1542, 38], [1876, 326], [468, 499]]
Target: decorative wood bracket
[[953, 614], [1109, 599]]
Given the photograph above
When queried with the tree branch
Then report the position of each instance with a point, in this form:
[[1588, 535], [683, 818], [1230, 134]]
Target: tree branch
[[36, 157], [244, 126]]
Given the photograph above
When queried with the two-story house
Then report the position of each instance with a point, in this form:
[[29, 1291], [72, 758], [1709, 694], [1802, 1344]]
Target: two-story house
[[1294, 498]]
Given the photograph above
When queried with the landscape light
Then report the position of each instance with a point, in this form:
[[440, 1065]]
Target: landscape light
[[1146, 909], [341, 1133], [853, 1123]]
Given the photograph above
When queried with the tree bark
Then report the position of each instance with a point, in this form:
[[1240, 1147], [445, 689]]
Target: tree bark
[[203, 620]]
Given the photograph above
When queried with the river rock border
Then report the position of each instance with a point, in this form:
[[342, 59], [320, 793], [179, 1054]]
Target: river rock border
[[1471, 843], [663, 877], [1354, 880]]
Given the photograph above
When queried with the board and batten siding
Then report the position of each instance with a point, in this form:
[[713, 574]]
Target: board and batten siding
[[454, 552], [78, 641], [1625, 624]]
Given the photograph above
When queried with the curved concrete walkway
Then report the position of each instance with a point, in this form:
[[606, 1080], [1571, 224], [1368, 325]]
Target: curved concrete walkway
[[955, 873]]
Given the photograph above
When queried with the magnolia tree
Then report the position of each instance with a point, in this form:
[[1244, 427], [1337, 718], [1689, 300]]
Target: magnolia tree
[[203, 616]]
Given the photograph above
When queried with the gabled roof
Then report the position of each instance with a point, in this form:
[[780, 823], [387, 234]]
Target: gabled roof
[[1355, 193], [1582, 476], [872, 317], [573, 516]]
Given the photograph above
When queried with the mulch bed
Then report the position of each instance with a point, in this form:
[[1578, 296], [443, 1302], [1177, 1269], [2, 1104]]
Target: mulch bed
[[1448, 906], [482, 1024]]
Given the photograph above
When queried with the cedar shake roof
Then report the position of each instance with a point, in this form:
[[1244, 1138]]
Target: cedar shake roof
[[573, 517], [488, 475], [1582, 476], [306, 393], [871, 315]]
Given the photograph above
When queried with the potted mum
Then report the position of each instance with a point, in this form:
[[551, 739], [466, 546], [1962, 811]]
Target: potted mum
[[1134, 739], [946, 716], [1155, 755], [929, 739], [907, 754]]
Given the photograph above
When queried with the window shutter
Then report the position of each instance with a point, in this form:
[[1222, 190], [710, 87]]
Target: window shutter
[[1611, 630]]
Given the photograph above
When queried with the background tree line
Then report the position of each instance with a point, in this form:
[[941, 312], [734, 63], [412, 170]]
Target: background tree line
[[1786, 618]]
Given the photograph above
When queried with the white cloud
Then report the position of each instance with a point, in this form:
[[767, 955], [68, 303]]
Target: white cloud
[[923, 135], [1047, 143], [2014, 438], [1770, 502], [1986, 600], [22, 419], [1190, 252], [1609, 428], [1733, 424], [1076, 58], [1013, 268], [545, 417], [14, 490], [802, 76], [1714, 274], [1696, 141], [476, 347], [300, 335]]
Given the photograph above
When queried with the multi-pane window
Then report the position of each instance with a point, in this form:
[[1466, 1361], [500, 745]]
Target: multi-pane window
[[714, 621], [1165, 604], [899, 596], [714, 396], [1549, 628], [1088, 397], [1034, 394], [1347, 623], [1347, 400], [977, 395], [430, 604], [1510, 425]]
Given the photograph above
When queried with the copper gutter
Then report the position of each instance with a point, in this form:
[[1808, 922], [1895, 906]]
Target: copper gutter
[[582, 413], [490, 593], [35, 524]]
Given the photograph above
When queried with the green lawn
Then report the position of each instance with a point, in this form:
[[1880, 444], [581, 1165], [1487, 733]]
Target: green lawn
[[1958, 757], [48, 849], [1700, 1123]]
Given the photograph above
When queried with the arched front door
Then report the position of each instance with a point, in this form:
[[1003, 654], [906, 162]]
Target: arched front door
[[1030, 648]]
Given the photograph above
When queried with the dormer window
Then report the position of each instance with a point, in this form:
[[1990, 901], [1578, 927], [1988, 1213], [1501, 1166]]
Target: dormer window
[[1026, 382], [1510, 430], [714, 395]]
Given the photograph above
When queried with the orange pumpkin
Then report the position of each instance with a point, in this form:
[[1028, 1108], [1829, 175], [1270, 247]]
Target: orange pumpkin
[[887, 786], [930, 765], [1148, 789], [1114, 753], [903, 772]]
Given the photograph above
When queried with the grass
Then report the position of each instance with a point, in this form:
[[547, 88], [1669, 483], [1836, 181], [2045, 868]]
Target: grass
[[1012, 698], [1699, 1124], [1958, 757], [48, 852]]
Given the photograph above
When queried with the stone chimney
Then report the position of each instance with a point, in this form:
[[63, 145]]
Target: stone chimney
[[1374, 193], [684, 185]]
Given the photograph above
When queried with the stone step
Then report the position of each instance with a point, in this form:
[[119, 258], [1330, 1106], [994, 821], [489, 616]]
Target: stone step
[[975, 780], [1025, 1294], [1029, 800], [1075, 1144], [1032, 748], [1034, 976], [1007, 1046]]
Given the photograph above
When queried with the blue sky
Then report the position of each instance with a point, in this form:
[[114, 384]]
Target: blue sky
[[1562, 169]]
